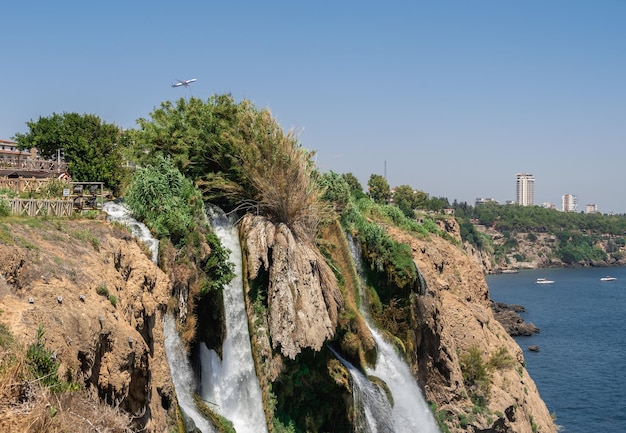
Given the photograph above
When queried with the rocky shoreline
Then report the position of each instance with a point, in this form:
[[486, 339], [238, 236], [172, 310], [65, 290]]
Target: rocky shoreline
[[513, 323]]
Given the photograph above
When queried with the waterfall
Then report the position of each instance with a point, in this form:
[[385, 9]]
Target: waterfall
[[118, 212], [183, 378], [410, 411], [182, 373], [230, 382], [371, 405]]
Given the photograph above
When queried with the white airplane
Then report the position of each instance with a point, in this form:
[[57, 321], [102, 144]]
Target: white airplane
[[185, 83]]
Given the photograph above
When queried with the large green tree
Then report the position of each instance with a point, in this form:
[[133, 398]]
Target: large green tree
[[239, 156], [379, 189], [89, 146], [404, 198]]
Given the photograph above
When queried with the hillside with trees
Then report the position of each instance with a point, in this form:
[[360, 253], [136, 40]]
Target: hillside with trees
[[515, 236]]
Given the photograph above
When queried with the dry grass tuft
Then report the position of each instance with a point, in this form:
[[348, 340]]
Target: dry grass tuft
[[282, 174]]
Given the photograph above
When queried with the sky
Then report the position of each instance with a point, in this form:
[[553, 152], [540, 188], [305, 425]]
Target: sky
[[450, 97]]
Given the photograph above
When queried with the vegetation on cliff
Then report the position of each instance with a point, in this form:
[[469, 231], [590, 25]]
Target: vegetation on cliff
[[303, 291], [575, 238]]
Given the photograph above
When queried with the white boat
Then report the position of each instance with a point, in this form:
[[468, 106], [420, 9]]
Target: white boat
[[608, 279], [544, 281]]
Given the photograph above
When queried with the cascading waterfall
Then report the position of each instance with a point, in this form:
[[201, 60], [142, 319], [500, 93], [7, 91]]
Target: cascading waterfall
[[183, 378], [182, 373], [371, 405], [410, 411], [231, 382], [118, 212]]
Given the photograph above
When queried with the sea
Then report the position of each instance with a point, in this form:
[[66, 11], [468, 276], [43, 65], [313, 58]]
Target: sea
[[580, 368]]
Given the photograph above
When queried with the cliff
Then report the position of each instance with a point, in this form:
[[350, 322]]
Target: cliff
[[99, 300], [470, 367], [539, 249]]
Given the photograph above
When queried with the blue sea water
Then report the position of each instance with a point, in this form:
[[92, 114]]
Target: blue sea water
[[580, 369]]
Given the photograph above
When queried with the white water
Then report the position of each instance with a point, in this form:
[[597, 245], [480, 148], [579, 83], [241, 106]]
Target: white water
[[182, 373], [120, 213], [183, 378], [370, 403], [410, 412], [231, 382]]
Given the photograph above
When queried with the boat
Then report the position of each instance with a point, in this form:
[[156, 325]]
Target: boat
[[544, 281], [608, 279]]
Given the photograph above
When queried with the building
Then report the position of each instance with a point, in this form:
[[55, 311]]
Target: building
[[9, 151], [591, 208], [525, 189], [480, 200], [569, 203]]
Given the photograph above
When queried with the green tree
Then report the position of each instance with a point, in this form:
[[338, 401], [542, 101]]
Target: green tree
[[239, 157], [353, 182], [404, 198], [379, 189], [89, 146]]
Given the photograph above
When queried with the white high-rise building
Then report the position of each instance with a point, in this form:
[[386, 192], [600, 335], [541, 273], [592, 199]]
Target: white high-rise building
[[569, 203], [525, 189]]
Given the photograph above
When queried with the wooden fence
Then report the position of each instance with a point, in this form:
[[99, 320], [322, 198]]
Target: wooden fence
[[30, 164], [34, 207], [22, 184]]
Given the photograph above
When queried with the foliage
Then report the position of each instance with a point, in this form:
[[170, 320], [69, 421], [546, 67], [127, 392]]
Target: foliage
[[42, 362], [216, 265], [166, 201], [353, 183], [379, 189], [404, 198], [336, 190], [89, 146], [5, 208], [541, 220], [501, 360], [240, 158]]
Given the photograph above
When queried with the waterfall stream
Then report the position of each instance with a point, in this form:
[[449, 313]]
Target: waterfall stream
[[371, 405], [231, 382], [182, 373], [410, 412]]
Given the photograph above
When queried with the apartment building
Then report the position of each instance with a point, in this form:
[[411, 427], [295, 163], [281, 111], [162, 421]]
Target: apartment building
[[525, 189]]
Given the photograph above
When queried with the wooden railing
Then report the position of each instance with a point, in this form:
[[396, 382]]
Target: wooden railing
[[30, 164], [35, 207], [22, 184]]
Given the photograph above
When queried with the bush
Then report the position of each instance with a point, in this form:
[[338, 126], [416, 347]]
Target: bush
[[5, 208], [42, 363]]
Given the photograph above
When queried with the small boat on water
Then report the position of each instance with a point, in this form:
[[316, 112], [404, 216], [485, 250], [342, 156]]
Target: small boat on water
[[608, 279], [544, 281]]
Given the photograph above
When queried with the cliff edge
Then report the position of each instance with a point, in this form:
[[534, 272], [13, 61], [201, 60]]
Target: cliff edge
[[99, 300], [470, 367]]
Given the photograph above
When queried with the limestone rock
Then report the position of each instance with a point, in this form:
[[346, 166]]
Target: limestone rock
[[453, 316], [302, 293]]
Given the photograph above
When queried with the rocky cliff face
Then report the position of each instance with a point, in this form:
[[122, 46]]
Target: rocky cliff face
[[302, 294], [100, 301], [453, 318]]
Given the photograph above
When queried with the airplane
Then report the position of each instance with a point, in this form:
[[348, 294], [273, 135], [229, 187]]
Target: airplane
[[185, 83]]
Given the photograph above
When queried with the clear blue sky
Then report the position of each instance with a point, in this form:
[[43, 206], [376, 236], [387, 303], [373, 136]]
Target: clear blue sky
[[456, 96]]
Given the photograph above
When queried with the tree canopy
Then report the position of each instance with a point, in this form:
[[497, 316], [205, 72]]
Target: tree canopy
[[89, 146], [379, 189], [238, 155]]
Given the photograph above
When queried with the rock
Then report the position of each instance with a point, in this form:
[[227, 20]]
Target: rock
[[533, 348], [513, 323], [85, 339], [303, 298]]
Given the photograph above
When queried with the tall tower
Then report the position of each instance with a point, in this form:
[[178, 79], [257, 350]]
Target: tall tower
[[525, 189]]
